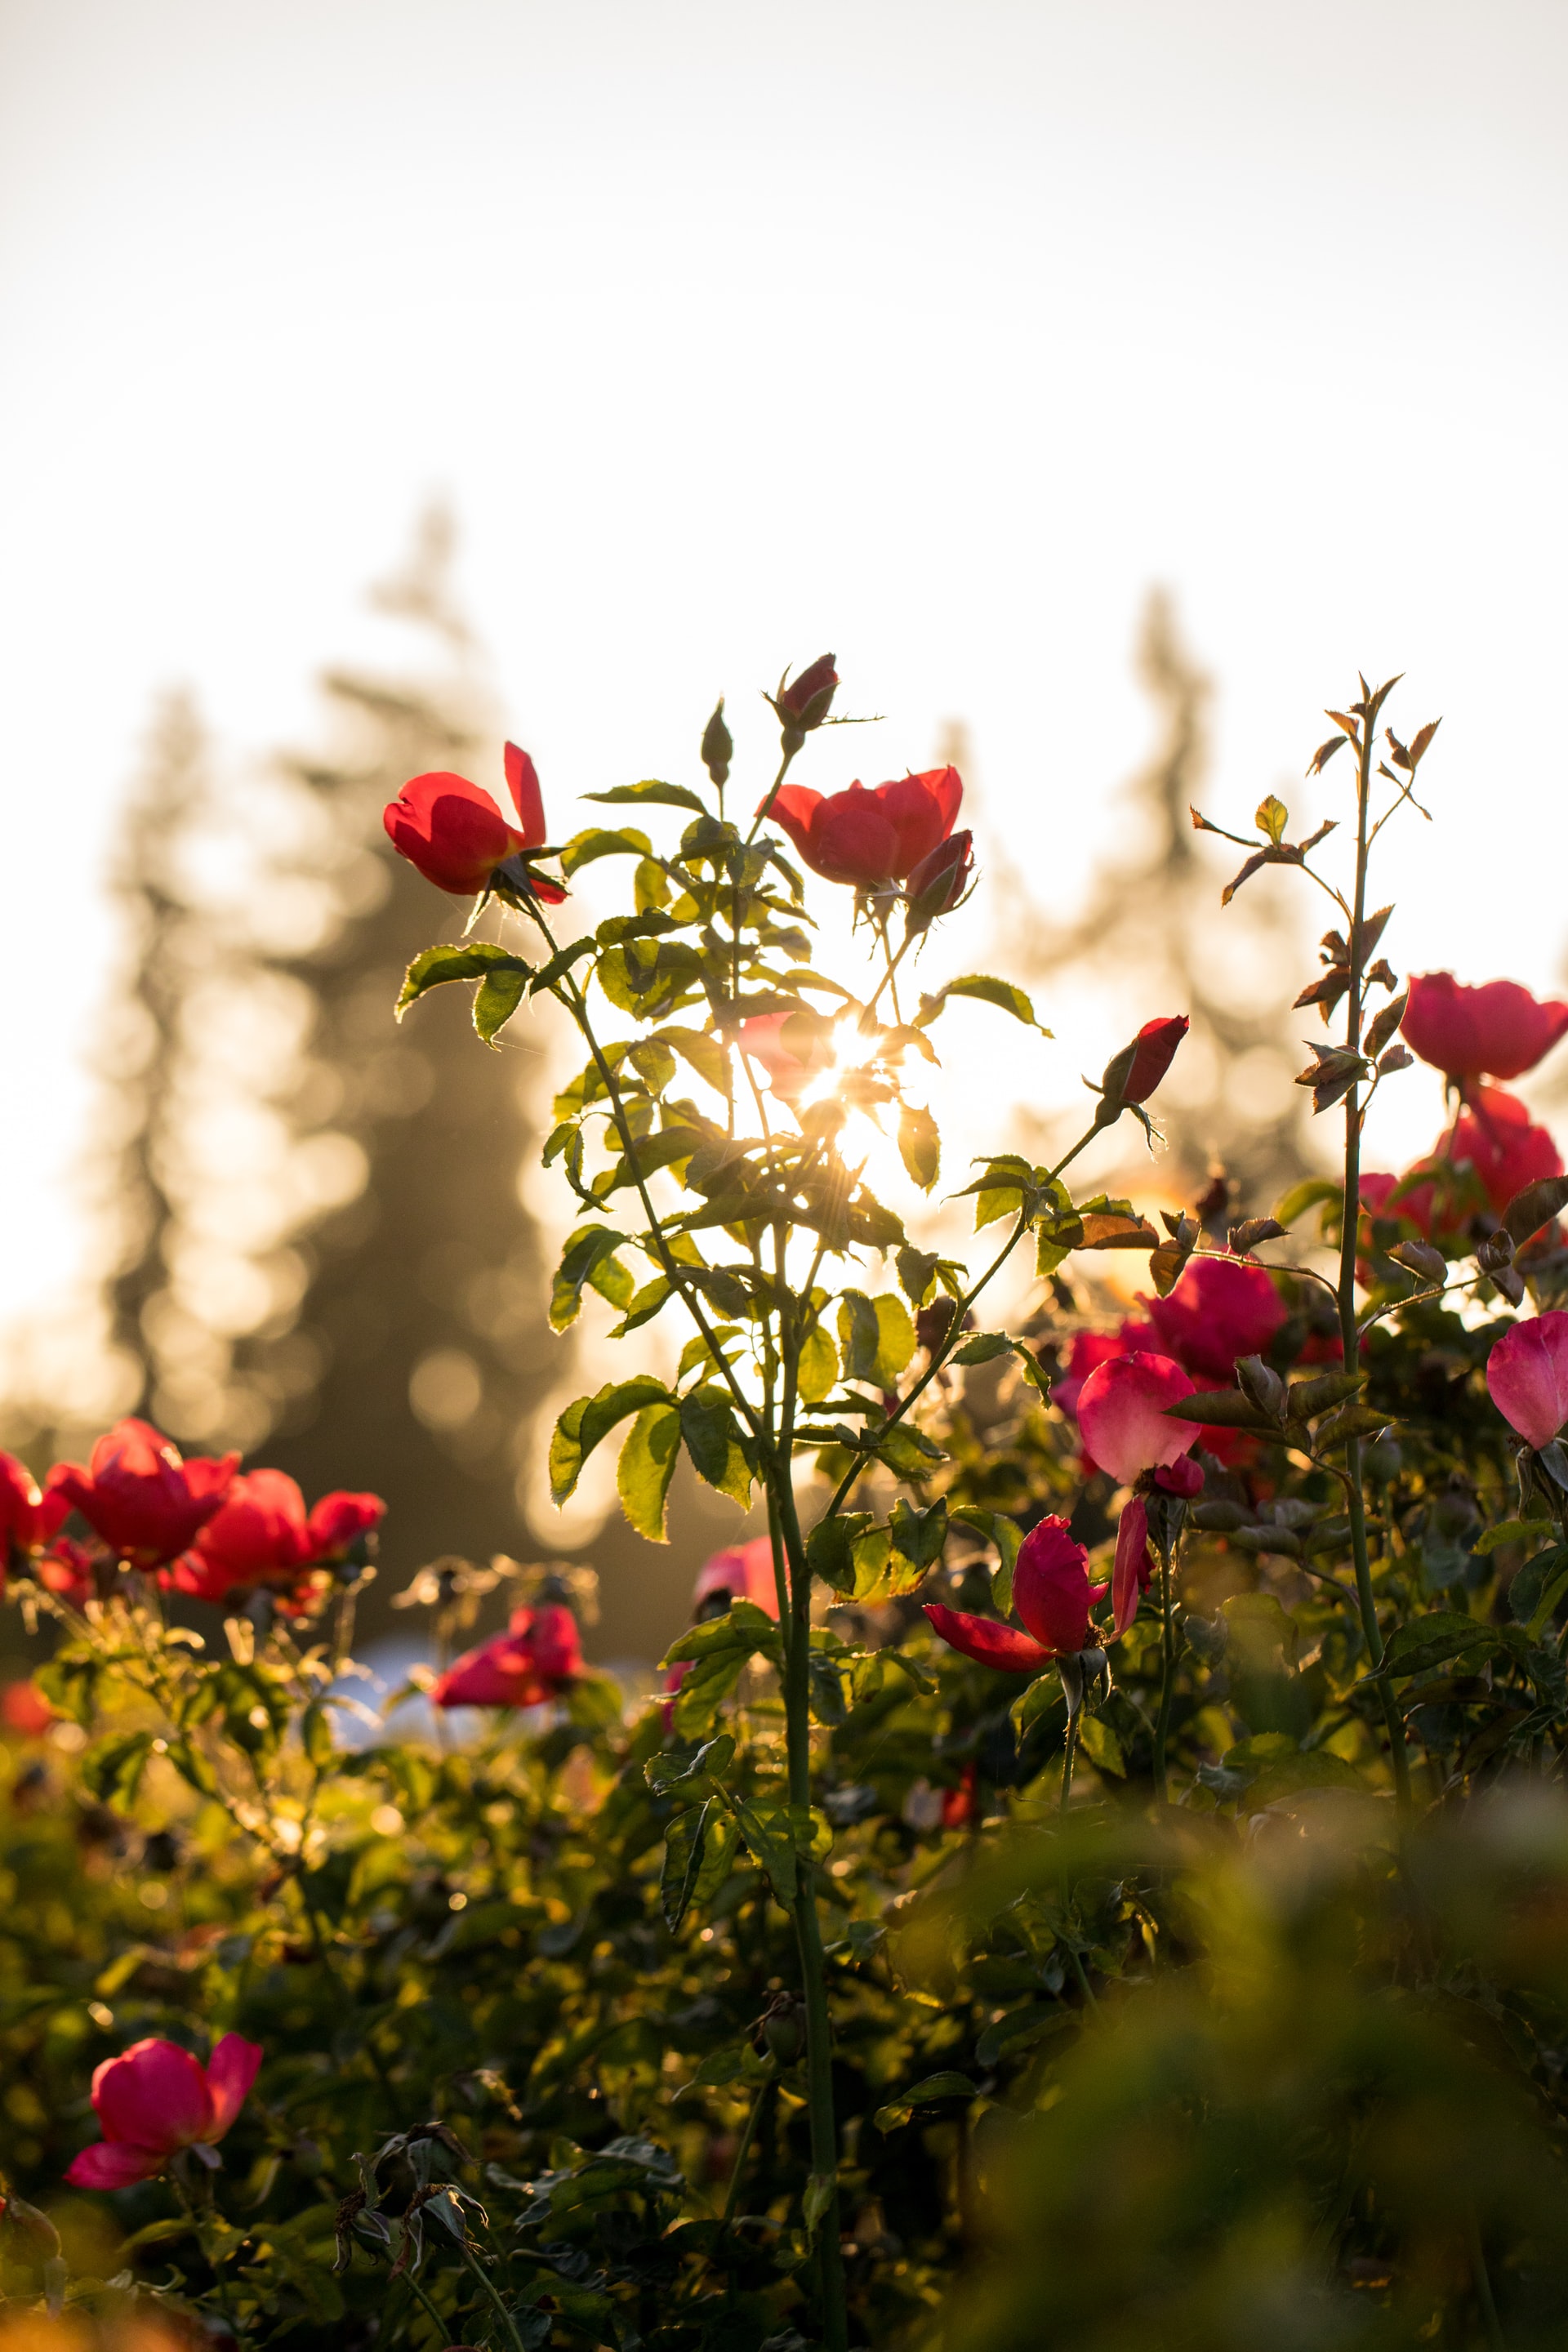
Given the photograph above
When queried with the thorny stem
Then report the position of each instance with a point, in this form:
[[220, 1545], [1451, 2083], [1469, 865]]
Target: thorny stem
[[1069, 1752], [1349, 1335], [489, 2285]]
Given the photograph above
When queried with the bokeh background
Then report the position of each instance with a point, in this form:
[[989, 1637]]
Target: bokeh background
[[382, 377]]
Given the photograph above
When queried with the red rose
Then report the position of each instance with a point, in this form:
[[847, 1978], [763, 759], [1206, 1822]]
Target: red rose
[[156, 2099], [27, 1519], [1496, 1032], [536, 1657], [1527, 1373], [456, 835], [1494, 1135], [261, 1535], [1052, 1594], [145, 1502], [1219, 1311], [1121, 1413], [867, 837], [740, 1572]]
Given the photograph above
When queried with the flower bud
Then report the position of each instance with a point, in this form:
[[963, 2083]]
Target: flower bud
[[717, 745], [939, 882], [803, 703], [1132, 1075], [783, 2027]]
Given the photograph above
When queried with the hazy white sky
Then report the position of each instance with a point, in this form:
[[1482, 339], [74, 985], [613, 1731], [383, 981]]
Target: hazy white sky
[[930, 332]]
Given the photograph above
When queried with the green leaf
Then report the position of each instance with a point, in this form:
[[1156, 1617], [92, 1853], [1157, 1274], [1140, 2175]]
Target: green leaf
[[721, 1844], [1509, 1531], [654, 1063], [770, 1839], [859, 1335], [1430, 1640], [583, 848], [1309, 1194], [687, 1779], [712, 1439], [1007, 1535], [646, 1468], [817, 1367], [916, 1274], [1538, 1588], [984, 1348], [683, 1842], [1101, 1746], [979, 984], [1272, 817], [497, 998], [907, 1452], [948, 2084], [705, 1054], [830, 1548], [650, 790], [588, 1419], [918, 1536], [1020, 2030], [470, 960], [919, 1145], [560, 963], [588, 1249]]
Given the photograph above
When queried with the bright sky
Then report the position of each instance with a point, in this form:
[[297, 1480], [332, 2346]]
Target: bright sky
[[930, 332]]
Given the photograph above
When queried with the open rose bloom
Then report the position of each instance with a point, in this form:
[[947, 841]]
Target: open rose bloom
[[532, 1661], [1052, 1594], [146, 1502], [262, 1536], [1499, 1031], [156, 2099], [454, 833], [870, 836], [1527, 1373]]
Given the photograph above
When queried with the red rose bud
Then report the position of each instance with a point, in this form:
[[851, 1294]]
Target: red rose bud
[[454, 833], [1132, 1075], [536, 1657], [145, 1502], [870, 838], [803, 702], [939, 881], [1499, 1031], [156, 2099]]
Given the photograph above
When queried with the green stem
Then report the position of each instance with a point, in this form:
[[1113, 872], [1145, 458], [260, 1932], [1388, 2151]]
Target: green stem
[[742, 2153], [490, 2288], [1481, 2279], [1069, 1752], [1167, 1676], [443, 2330], [1349, 1335]]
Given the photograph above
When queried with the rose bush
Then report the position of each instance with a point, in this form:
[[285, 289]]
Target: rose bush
[[970, 1943]]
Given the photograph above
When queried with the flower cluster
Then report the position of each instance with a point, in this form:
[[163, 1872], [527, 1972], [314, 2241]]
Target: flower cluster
[[197, 1526]]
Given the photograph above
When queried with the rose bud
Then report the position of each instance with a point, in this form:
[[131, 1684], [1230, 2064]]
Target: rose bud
[[803, 703], [1527, 1373], [156, 2099], [717, 745], [939, 882], [1499, 1031], [28, 1519], [1132, 1075]]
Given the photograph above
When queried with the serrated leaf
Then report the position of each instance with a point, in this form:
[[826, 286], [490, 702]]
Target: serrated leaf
[[984, 1348], [705, 1054], [597, 842], [651, 792], [645, 1468], [1101, 1746], [589, 1421], [496, 999], [986, 990], [587, 1251], [916, 1274], [712, 1439], [1429, 1640], [471, 959], [919, 1145], [770, 1840], [817, 1369]]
